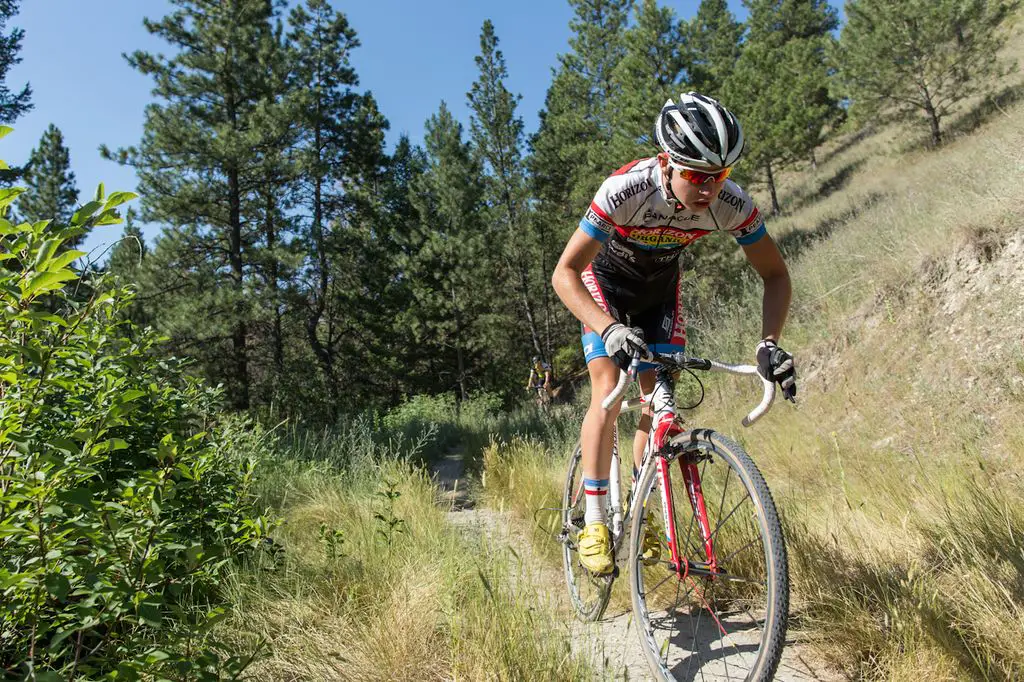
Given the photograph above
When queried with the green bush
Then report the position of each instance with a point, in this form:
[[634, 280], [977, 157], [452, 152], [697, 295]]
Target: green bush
[[120, 509]]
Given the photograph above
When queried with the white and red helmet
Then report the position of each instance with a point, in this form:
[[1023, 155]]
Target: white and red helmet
[[699, 133]]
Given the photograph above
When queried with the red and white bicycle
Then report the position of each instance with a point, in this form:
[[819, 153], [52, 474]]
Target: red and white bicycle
[[714, 604]]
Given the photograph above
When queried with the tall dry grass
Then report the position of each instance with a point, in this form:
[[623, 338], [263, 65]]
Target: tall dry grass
[[369, 581]]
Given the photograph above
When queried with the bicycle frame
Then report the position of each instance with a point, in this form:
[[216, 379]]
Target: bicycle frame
[[664, 426]]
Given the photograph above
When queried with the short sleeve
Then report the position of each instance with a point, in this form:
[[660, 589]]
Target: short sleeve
[[751, 229], [737, 211], [599, 221]]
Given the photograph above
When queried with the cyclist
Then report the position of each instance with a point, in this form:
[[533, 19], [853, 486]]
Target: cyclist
[[540, 380], [619, 275]]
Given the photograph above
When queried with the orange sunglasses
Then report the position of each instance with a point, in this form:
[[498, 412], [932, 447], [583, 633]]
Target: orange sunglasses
[[696, 177]]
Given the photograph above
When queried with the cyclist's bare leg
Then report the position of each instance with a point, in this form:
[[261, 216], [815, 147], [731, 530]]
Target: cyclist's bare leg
[[598, 424], [643, 430]]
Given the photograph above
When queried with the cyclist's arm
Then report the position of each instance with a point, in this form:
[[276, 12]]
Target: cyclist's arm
[[567, 283], [764, 255]]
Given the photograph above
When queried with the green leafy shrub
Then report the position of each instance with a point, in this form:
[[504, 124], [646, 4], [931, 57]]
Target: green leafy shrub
[[120, 507]]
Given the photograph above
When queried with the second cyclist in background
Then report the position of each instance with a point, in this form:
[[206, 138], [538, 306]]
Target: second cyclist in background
[[541, 381]]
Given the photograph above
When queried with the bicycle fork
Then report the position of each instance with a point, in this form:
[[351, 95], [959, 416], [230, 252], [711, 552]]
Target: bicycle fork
[[691, 482]]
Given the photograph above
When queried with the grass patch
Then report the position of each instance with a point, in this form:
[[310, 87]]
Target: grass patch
[[369, 581]]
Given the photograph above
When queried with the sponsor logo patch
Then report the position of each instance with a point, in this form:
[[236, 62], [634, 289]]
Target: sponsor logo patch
[[622, 251], [754, 225], [595, 219], [662, 238]]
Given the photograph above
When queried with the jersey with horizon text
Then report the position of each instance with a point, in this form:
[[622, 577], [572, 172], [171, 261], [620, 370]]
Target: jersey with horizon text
[[643, 234]]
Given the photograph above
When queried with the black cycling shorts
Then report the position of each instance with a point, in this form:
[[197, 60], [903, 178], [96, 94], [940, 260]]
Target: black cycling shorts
[[655, 307]]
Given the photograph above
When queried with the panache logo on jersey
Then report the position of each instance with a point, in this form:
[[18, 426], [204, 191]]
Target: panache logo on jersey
[[619, 198], [661, 237], [595, 219]]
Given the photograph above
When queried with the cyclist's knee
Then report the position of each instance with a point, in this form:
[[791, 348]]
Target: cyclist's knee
[[645, 421], [604, 374]]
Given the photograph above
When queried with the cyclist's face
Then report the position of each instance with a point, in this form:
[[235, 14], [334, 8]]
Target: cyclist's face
[[696, 198]]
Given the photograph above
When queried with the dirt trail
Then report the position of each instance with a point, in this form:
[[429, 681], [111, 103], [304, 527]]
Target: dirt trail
[[610, 644]]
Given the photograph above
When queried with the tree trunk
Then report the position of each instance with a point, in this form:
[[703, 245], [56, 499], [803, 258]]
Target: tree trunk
[[771, 186], [546, 288], [239, 333], [524, 295], [459, 358], [814, 161], [933, 120], [323, 354], [275, 297]]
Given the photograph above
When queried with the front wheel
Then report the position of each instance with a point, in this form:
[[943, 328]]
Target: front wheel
[[721, 611], [589, 592]]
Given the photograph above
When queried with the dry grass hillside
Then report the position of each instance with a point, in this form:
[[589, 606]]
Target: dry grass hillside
[[899, 471]]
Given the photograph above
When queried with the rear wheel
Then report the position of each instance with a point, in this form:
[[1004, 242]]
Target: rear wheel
[[589, 592], [720, 615]]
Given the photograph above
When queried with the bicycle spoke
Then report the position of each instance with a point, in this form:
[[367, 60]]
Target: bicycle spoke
[[669, 640], [721, 504], [745, 497], [721, 627], [751, 542]]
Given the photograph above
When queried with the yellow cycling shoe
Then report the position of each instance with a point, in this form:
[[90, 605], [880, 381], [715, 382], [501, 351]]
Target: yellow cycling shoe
[[595, 549], [650, 548]]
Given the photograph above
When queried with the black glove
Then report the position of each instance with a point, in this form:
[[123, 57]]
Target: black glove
[[777, 365], [623, 343]]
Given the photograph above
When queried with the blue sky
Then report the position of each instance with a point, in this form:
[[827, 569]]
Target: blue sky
[[414, 54]]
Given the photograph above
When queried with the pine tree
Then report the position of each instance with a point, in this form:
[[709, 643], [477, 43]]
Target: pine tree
[[713, 38], [12, 105], [450, 257], [576, 122], [497, 133], [339, 150], [399, 235], [648, 74], [198, 167], [597, 47], [569, 153], [126, 261], [919, 58], [780, 85], [53, 194]]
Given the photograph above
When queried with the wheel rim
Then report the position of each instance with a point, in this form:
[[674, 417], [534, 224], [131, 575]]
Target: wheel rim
[[695, 626]]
